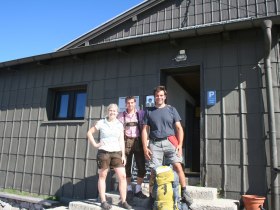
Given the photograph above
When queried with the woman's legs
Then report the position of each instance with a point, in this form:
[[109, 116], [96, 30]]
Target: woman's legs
[[120, 171], [102, 183]]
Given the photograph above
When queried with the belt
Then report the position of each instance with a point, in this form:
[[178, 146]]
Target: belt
[[129, 124], [107, 152], [127, 137], [159, 139]]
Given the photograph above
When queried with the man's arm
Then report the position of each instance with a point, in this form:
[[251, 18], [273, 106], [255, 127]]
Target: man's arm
[[180, 137], [147, 151]]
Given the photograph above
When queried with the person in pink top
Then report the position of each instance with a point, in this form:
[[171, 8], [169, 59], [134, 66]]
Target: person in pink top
[[131, 119]]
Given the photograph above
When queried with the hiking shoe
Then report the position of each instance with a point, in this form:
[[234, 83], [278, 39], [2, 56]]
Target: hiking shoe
[[151, 202], [105, 205], [125, 205], [186, 198], [140, 195], [129, 196]]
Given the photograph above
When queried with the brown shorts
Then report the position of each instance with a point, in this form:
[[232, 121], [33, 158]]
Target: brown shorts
[[134, 146], [109, 159]]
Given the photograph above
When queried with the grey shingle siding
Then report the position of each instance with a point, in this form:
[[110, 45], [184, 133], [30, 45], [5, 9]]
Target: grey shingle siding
[[181, 14]]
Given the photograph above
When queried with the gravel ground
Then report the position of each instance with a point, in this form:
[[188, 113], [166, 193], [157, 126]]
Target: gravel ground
[[9, 204]]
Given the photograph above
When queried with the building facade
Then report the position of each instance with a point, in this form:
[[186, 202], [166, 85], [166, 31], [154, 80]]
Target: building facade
[[219, 61]]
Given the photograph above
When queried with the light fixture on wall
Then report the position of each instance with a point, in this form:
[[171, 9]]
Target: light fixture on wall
[[181, 56]]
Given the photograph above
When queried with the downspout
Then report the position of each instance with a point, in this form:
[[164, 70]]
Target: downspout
[[267, 25]]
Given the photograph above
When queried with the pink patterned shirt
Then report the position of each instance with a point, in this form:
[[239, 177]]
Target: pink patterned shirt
[[131, 131]]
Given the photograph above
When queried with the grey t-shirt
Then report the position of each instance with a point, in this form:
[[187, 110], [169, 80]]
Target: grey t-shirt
[[161, 121]]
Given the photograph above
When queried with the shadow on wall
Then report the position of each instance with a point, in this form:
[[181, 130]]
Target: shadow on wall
[[85, 189], [256, 135]]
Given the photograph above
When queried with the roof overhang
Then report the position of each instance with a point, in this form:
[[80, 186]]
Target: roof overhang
[[112, 23], [240, 24]]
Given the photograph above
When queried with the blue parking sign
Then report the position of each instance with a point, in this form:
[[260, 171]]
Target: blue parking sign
[[211, 97]]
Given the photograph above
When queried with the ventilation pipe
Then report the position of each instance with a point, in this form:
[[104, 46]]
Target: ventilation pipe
[[267, 25]]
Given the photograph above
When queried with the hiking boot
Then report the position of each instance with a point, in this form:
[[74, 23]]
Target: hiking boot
[[140, 195], [105, 205], [151, 202], [125, 205], [186, 197], [129, 196]]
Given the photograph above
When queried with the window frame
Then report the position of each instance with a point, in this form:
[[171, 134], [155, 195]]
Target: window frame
[[72, 92]]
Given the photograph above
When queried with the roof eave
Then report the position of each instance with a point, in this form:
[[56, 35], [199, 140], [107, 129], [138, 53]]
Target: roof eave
[[160, 36], [112, 23]]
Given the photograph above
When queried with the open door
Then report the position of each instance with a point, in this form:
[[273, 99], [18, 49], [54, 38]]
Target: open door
[[183, 92], [192, 138]]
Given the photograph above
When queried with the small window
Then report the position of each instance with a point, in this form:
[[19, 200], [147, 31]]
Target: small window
[[68, 103]]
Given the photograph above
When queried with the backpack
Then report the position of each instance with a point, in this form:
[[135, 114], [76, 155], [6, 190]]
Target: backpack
[[167, 190]]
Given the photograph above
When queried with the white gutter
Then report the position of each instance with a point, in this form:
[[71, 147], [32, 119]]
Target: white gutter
[[267, 26]]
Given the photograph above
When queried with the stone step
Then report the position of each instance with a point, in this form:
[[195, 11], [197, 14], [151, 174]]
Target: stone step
[[193, 181], [59, 208], [114, 198], [192, 178], [199, 204], [94, 204], [26, 201], [207, 193], [216, 204], [203, 197]]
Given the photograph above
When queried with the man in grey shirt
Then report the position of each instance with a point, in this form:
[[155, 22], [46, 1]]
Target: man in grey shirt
[[163, 121]]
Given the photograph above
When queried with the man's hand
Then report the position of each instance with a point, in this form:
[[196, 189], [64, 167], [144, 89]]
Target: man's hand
[[179, 151], [148, 154]]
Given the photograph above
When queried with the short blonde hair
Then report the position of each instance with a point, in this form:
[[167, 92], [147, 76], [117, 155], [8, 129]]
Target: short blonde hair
[[111, 106]]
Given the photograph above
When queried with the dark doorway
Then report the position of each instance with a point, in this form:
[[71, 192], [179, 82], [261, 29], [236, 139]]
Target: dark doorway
[[187, 81]]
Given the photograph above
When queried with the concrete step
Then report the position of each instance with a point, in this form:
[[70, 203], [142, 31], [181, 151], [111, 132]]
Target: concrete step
[[199, 204], [193, 181], [59, 208], [216, 204], [114, 198], [207, 193], [28, 199], [94, 204], [205, 198], [192, 178]]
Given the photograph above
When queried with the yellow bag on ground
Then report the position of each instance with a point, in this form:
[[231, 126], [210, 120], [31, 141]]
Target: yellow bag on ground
[[164, 199]]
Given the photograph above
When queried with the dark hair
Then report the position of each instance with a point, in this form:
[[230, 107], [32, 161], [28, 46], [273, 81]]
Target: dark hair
[[130, 97], [160, 88]]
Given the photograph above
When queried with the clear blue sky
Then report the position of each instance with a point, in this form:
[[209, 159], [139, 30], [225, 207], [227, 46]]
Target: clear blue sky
[[34, 27]]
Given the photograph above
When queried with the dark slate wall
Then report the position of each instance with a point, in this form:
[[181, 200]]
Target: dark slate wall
[[47, 157]]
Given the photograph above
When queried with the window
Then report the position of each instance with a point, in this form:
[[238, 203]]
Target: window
[[68, 103]]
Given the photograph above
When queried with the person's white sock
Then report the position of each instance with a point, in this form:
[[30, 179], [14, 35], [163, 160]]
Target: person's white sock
[[138, 188], [129, 187]]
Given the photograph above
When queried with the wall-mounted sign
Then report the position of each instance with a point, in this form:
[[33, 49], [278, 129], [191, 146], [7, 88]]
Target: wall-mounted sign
[[122, 103], [150, 101], [211, 97]]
